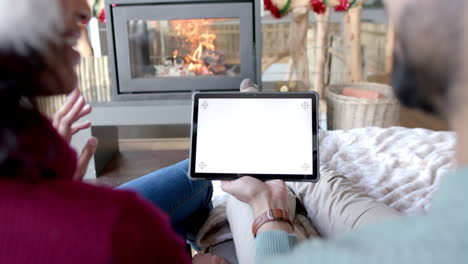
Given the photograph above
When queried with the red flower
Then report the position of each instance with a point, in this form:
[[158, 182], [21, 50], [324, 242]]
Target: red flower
[[275, 12], [102, 16], [343, 6], [318, 6], [273, 9]]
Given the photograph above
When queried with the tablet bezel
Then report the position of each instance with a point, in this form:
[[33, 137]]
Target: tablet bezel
[[258, 95]]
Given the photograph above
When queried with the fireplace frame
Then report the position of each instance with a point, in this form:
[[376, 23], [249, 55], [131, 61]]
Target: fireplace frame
[[125, 88]]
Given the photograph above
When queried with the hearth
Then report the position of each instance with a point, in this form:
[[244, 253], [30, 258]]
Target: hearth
[[169, 48]]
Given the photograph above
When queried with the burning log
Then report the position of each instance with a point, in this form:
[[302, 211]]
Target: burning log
[[206, 62], [212, 57], [205, 59], [214, 60], [217, 69]]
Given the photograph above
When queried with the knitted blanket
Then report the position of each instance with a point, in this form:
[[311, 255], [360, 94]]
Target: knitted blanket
[[399, 166]]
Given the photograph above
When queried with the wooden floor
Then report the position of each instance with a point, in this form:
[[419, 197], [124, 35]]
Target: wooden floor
[[139, 157]]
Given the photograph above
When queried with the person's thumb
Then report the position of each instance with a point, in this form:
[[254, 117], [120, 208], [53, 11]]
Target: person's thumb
[[231, 187], [85, 157], [225, 185]]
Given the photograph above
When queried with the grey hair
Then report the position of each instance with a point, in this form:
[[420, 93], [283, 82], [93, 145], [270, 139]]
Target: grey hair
[[29, 25]]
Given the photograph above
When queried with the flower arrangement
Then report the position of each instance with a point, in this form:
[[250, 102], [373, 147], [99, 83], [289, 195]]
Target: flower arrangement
[[319, 6], [345, 5], [280, 8], [99, 10]]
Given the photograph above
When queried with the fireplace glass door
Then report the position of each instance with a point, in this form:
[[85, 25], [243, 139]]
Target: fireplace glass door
[[183, 47], [188, 47]]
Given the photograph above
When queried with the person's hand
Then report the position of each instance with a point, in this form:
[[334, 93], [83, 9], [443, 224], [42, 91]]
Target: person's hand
[[65, 122], [71, 111], [208, 259], [85, 157], [261, 196]]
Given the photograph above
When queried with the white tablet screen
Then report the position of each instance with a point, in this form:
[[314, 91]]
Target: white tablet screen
[[255, 136]]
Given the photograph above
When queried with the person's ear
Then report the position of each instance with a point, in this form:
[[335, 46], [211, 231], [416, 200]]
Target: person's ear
[[394, 9]]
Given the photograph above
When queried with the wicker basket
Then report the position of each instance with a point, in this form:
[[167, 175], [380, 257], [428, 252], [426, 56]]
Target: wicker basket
[[346, 112]]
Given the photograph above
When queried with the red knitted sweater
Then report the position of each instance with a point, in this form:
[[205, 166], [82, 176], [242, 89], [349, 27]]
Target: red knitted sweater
[[64, 221]]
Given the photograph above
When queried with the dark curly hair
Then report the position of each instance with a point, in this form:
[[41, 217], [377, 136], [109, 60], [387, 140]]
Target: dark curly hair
[[20, 81]]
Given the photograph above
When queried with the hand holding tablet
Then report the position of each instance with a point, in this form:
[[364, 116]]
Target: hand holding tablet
[[263, 135]]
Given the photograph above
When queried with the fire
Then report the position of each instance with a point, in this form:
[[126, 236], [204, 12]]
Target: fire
[[197, 39]]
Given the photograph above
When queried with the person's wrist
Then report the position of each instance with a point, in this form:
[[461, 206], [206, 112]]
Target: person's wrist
[[272, 219], [266, 201], [262, 203], [260, 207]]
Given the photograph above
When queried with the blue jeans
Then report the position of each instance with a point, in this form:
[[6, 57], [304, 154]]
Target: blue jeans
[[187, 202]]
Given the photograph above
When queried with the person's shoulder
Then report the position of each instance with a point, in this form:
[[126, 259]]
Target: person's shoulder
[[139, 232], [104, 193], [413, 237], [127, 199], [103, 197], [142, 233], [124, 206]]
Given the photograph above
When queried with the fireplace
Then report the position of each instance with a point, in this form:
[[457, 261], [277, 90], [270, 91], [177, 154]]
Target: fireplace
[[170, 48]]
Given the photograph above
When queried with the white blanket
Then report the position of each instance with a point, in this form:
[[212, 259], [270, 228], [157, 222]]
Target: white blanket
[[399, 166]]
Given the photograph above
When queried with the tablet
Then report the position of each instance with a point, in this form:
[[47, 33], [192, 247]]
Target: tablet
[[263, 135]]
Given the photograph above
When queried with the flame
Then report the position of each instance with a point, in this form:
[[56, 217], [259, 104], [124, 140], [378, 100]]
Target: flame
[[197, 37]]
